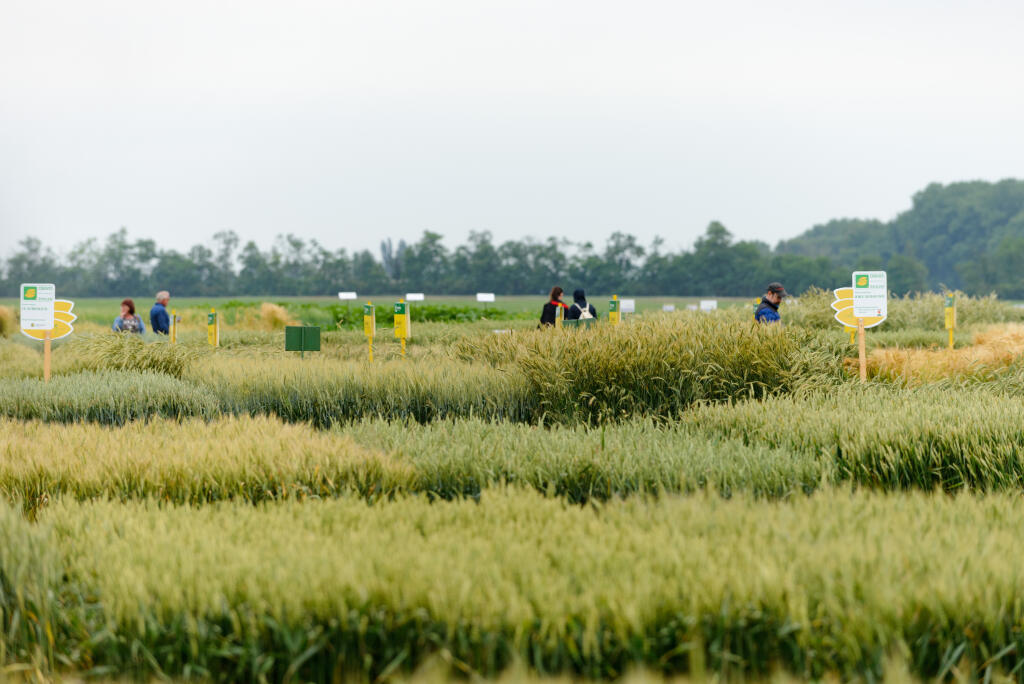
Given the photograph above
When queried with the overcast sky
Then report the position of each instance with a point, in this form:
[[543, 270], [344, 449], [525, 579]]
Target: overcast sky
[[354, 121]]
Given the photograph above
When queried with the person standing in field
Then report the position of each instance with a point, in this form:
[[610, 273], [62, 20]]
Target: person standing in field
[[550, 310], [580, 308], [159, 320], [768, 309], [128, 321]]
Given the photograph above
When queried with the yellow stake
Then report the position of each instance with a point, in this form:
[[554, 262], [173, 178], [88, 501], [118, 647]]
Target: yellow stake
[[213, 329], [369, 336], [403, 347], [174, 326], [950, 317]]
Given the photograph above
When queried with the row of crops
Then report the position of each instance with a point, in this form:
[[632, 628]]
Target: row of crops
[[772, 449], [688, 494], [828, 583]]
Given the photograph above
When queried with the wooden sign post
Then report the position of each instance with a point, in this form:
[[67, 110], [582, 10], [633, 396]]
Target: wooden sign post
[[870, 298], [45, 318], [46, 356], [862, 350], [860, 307]]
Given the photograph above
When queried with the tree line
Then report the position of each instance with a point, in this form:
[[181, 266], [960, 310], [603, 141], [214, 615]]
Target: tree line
[[968, 236], [119, 265]]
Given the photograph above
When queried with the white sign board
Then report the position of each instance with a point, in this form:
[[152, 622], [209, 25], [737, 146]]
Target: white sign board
[[414, 297], [669, 308], [346, 295], [708, 304], [627, 306], [870, 294], [37, 306], [485, 296]]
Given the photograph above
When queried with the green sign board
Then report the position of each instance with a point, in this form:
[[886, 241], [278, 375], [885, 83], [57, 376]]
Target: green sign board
[[302, 338]]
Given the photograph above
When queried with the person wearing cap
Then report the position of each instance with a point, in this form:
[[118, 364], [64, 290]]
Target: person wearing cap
[[768, 309]]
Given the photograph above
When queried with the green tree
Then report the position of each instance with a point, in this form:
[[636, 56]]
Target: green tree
[[906, 274]]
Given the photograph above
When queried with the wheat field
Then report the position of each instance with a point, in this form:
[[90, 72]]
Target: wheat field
[[684, 496]]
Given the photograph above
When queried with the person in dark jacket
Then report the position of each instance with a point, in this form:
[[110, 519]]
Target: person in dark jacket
[[550, 310], [768, 310], [579, 305], [159, 320]]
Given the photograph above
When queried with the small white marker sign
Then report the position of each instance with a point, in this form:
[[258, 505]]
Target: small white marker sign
[[485, 296], [627, 306], [708, 304], [870, 294], [37, 306], [414, 297], [347, 295]]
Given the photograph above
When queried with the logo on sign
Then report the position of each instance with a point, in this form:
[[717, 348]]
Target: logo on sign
[[29, 293], [862, 281]]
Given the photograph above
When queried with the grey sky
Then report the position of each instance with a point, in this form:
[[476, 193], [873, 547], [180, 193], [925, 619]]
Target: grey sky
[[349, 122]]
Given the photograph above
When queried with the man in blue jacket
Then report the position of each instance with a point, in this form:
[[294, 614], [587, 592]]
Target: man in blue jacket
[[768, 310], [159, 319]]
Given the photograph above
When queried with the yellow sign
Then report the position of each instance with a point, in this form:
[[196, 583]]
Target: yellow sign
[[62, 320], [843, 306], [213, 328], [614, 315], [402, 320], [369, 320]]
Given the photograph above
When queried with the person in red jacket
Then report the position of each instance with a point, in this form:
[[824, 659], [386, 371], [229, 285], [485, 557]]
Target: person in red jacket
[[549, 313]]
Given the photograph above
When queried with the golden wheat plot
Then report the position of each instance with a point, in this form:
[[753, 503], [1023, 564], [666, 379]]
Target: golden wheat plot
[[992, 349]]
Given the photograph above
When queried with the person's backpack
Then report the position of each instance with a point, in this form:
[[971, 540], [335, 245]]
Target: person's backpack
[[130, 324], [584, 311]]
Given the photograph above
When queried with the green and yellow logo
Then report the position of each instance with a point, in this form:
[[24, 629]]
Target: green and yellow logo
[[862, 281], [29, 293]]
